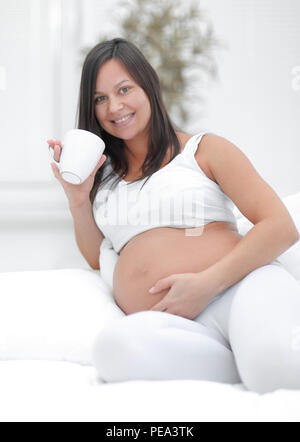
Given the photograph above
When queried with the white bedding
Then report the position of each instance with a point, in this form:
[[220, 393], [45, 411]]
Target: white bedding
[[43, 391], [48, 323]]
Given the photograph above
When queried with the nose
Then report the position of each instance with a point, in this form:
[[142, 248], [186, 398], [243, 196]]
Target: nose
[[115, 105]]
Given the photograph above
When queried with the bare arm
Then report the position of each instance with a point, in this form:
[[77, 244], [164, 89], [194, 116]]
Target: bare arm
[[274, 230], [87, 234]]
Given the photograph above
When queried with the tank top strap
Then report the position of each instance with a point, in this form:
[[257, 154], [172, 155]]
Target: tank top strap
[[192, 144]]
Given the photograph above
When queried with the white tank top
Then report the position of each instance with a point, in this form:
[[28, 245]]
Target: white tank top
[[179, 195]]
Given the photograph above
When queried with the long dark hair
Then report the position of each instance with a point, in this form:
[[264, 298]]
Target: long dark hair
[[162, 131]]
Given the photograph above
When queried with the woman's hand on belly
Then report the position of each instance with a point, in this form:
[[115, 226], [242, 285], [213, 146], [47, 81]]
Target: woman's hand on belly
[[135, 297], [160, 253], [188, 294]]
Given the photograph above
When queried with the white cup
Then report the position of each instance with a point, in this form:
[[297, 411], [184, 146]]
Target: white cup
[[81, 151]]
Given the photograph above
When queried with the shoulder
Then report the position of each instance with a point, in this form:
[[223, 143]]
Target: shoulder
[[214, 155], [239, 180], [203, 152]]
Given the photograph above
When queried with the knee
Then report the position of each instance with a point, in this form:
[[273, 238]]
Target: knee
[[262, 330], [121, 344], [266, 369]]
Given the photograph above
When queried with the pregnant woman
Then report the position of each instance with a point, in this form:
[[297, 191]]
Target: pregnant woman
[[220, 308]]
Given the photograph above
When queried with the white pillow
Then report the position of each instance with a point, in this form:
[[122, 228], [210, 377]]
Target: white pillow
[[291, 258], [53, 314]]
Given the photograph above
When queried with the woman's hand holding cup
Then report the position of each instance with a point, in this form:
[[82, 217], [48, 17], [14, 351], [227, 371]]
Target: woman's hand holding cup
[[77, 194]]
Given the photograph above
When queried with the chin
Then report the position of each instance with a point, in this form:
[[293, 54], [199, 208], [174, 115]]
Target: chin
[[125, 135]]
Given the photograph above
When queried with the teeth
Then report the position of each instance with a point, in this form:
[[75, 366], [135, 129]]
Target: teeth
[[123, 119]]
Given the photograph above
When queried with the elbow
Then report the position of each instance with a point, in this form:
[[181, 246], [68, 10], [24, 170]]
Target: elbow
[[95, 267], [288, 233], [291, 230], [293, 235], [296, 236]]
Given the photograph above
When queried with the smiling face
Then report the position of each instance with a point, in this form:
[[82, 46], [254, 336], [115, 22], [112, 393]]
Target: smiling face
[[122, 107]]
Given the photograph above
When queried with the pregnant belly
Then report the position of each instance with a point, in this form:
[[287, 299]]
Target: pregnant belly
[[160, 252]]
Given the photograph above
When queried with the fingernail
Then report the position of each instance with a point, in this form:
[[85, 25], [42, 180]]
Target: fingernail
[[152, 290]]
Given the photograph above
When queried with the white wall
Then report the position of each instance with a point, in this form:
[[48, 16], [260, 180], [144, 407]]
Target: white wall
[[255, 104], [39, 78]]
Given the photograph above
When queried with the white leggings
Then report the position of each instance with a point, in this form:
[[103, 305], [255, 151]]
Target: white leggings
[[250, 333]]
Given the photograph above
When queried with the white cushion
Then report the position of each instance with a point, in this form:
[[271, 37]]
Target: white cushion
[[53, 314]]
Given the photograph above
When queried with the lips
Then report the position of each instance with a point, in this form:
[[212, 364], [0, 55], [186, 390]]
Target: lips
[[123, 120]]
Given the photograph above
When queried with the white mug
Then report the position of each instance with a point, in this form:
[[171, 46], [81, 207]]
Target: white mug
[[81, 151]]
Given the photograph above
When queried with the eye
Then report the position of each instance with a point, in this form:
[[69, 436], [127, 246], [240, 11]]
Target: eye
[[126, 89], [99, 100]]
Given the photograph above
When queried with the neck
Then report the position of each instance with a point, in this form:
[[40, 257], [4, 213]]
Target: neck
[[137, 151], [138, 148]]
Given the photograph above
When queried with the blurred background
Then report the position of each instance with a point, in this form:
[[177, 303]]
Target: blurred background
[[234, 67]]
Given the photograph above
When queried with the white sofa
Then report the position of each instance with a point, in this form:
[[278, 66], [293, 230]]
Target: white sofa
[[48, 322]]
